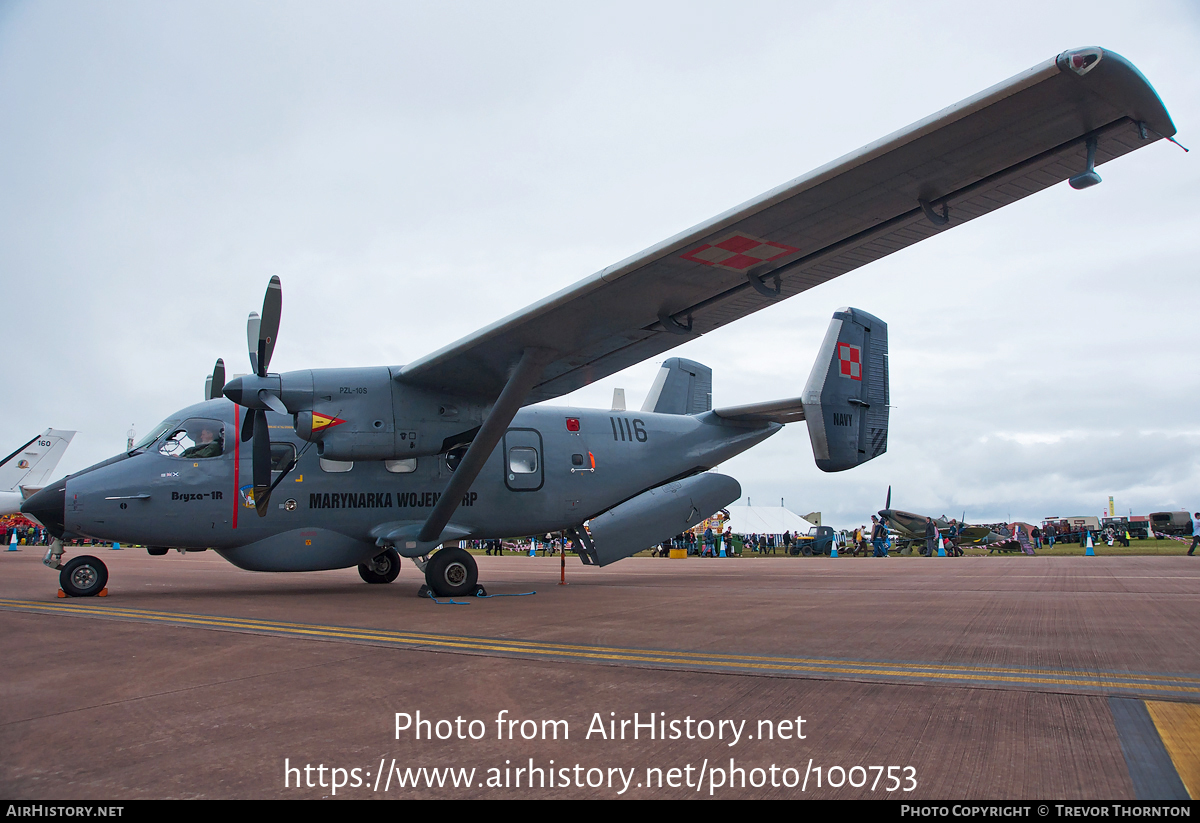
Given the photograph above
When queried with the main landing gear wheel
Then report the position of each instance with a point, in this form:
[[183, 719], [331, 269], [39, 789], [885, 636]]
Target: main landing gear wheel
[[452, 573], [383, 568], [83, 576]]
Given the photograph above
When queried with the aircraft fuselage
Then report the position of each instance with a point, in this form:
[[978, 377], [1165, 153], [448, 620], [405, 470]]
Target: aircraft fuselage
[[542, 477]]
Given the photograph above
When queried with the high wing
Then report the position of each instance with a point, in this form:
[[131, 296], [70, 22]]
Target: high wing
[[1001, 145]]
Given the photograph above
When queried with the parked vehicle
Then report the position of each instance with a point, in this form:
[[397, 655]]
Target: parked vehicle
[[1138, 527], [818, 541], [1176, 523], [1071, 529]]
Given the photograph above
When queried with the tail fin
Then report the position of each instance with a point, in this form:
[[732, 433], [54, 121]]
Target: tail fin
[[681, 387], [846, 397], [29, 466]]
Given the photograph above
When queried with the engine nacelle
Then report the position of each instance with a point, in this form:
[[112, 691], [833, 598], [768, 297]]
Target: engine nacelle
[[364, 414]]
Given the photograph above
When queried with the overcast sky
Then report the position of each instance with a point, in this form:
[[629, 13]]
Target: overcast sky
[[415, 172]]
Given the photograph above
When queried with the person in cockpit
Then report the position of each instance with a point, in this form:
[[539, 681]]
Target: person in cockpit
[[209, 444]]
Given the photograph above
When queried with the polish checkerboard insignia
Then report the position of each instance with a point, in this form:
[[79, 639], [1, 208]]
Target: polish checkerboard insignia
[[850, 361], [738, 252]]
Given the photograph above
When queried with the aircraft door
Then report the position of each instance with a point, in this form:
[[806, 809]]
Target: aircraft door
[[523, 469]]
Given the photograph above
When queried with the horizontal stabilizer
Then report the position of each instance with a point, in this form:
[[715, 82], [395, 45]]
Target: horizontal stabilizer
[[31, 464], [775, 411], [655, 515], [846, 396]]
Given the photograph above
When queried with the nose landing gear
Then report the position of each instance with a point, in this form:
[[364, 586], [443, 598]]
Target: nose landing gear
[[83, 576]]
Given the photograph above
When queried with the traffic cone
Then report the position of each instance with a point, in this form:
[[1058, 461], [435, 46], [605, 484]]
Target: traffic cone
[[116, 547], [12, 546], [833, 548], [941, 548], [1091, 549]]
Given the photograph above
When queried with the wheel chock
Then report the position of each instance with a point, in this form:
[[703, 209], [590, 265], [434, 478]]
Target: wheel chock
[[480, 591], [102, 593], [423, 591]]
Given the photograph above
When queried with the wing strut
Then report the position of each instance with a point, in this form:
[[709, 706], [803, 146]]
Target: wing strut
[[526, 375]]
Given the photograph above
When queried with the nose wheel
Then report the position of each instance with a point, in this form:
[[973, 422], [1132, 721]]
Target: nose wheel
[[83, 576], [452, 572]]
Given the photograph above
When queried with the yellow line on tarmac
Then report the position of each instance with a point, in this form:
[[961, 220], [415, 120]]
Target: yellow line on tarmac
[[726, 662], [1179, 727]]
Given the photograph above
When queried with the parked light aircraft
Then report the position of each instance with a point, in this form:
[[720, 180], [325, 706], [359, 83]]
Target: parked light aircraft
[[360, 467], [910, 526], [25, 471]]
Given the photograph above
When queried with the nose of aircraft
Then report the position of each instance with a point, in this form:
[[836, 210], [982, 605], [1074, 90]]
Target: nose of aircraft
[[49, 507]]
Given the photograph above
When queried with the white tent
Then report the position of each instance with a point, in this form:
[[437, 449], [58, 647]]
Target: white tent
[[765, 520]]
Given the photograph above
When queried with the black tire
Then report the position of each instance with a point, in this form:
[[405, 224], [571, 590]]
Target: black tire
[[155, 551], [452, 573], [383, 568], [83, 576]]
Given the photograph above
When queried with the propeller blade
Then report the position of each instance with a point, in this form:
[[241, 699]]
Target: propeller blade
[[261, 466], [252, 327], [208, 393], [888, 504], [272, 401], [218, 379], [247, 426], [269, 329]]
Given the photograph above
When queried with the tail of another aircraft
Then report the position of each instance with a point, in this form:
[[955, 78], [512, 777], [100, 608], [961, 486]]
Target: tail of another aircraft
[[29, 467]]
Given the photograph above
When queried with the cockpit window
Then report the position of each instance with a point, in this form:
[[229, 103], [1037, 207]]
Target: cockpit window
[[195, 439], [155, 433]]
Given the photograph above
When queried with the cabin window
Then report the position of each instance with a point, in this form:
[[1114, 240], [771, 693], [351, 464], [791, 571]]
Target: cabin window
[[283, 455], [328, 465], [195, 439], [522, 460], [401, 466]]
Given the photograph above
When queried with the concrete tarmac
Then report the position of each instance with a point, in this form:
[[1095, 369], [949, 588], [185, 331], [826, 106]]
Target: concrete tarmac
[[1036, 678]]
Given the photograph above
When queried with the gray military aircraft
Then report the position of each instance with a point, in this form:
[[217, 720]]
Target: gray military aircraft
[[360, 467]]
